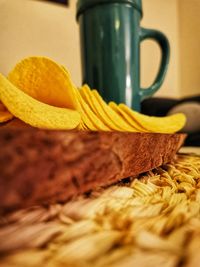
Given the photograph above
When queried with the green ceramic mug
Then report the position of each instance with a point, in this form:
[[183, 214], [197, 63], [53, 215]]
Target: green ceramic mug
[[110, 36]]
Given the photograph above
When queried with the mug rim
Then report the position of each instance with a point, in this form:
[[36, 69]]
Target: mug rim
[[83, 5]]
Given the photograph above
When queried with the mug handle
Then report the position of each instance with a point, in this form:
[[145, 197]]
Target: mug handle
[[163, 43]]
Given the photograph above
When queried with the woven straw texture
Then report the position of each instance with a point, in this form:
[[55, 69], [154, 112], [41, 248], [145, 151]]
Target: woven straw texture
[[153, 220]]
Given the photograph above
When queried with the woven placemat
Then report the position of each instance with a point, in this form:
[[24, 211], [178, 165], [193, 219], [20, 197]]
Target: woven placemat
[[153, 220]]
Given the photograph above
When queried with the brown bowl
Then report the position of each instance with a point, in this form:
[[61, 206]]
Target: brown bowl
[[43, 166]]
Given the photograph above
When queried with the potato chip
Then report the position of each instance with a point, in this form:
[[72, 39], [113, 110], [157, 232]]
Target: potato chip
[[41, 93], [98, 110], [112, 115], [101, 113], [85, 93], [86, 122], [168, 124], [129, 119], [34, 112], [82, 127], [89, 111], [116, 117], [44, 80]]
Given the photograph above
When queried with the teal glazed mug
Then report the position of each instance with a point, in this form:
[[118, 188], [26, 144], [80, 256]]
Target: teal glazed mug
[[110, 36]]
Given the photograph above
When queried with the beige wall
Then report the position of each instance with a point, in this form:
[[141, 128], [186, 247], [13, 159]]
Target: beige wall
[[189, 17], [30, 27], [161, 15]]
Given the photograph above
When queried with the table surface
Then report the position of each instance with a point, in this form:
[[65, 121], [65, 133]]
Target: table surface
[[151, 221], [190, 149]]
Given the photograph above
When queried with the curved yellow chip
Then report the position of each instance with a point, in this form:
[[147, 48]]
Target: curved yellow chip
[[101, 112], [44, 80], [94, 118], [86, 123], [98, 110], [168, 124], [112, 115], [40, 92], [82, 127], [129, 119], [34, 112]]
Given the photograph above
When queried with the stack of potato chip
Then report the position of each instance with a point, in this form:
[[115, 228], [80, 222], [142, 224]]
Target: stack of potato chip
[[40, 92]]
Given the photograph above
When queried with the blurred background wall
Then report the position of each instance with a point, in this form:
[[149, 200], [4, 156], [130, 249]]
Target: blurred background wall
[[32, 27], [189, 40]]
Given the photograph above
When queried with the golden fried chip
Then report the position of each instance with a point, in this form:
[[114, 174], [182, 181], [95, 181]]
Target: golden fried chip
[[82, 127], [86, 123], [41, 93], [34, 112], [101, 112], [98, 110], [91, 114], [168, 124], [44, 80], [112, 115], [129, 119]]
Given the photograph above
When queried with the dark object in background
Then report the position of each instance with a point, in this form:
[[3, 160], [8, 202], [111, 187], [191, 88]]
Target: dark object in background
[[64, 2], [191, 109], [190, 106], [156, 106]]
